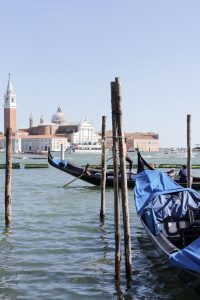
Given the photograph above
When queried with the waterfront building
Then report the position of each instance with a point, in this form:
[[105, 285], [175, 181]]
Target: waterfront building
[[36, 143], [10, 108], [146, 142], [60, 131], [40, 143], [85, 134], [76, 133], [16, 143]]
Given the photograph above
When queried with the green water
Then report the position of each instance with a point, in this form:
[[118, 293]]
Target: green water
[[58, 249]]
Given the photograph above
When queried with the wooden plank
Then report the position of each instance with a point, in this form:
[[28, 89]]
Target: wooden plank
[[34, 166]]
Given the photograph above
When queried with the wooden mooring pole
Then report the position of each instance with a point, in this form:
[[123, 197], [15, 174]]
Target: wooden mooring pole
[[8, 172], [189, 152], [116, 188], [124, 190], [103, 169]]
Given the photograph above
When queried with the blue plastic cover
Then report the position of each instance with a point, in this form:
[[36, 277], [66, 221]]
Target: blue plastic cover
[[62, 163], [158, 197], [150, 183], [188, 258], [174, 206]]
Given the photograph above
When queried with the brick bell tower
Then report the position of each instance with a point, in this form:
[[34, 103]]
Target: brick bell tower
[[10, 108]]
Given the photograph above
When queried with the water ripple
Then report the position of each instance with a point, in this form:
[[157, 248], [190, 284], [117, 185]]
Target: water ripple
[[57, 248]]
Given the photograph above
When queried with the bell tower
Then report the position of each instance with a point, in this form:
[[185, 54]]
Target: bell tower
[[10, 108], [31, 121]]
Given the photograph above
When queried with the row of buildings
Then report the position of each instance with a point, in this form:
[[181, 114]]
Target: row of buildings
[[37, 138]]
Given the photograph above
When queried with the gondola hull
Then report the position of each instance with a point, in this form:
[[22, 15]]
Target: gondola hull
[[170, 215], [163, 249], [94, 177]]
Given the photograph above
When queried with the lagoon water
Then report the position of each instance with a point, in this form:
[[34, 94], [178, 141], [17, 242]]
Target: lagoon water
[[58, 249]]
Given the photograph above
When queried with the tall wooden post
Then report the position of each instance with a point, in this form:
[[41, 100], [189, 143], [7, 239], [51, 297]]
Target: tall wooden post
[[103, 168], [124, 190], [8, 172], [116, 187], [189, 152]]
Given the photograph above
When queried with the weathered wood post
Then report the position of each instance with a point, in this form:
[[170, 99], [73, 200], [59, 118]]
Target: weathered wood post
[[103, 168], [8, 172], [62, 154], [189, 152], [116, 187], [124, 190]]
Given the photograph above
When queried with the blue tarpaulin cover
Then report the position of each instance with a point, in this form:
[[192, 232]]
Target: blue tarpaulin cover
[[188, 258], [158, 197], [152, 183]]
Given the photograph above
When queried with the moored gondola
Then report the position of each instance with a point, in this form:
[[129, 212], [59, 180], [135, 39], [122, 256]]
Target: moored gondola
[[170, 215], [87, 174], [93, 176]]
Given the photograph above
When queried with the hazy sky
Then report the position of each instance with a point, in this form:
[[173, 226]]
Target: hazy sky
[[66, 52]]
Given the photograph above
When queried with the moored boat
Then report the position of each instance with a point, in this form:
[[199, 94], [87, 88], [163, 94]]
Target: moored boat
[[85, 148], [87, 174], [93, 176], [82, 148], [170, 215]]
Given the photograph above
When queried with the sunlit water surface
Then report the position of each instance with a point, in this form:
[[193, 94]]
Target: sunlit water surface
[[57, 248]]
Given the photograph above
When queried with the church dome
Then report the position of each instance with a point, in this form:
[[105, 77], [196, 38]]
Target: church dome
[[58, 117]]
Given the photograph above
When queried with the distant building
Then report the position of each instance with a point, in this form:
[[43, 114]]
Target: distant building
[[59, 131], [35, 144], [76, 133], [39, 137], [40, 143], [146, 142], [85, 134], [59, 117], [10, 108]]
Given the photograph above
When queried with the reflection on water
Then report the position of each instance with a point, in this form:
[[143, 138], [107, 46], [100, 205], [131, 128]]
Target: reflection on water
[[57, 248]]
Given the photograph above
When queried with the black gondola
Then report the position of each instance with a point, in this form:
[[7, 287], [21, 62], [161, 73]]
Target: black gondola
[[93, 176], [90, 175], [170, 215]]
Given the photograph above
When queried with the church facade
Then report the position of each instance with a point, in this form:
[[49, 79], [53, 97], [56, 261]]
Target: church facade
[[76, 133]]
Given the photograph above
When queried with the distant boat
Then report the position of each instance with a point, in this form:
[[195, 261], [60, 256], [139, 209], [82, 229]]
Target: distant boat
[[196, 149], [173, 151], [131, 150], [86, 148], [2, 149]]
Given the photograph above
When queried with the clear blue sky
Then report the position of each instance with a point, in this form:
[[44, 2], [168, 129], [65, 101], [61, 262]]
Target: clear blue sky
[[66, 52]]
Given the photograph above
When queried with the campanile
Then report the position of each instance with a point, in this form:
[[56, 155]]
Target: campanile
[[10, 108]]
